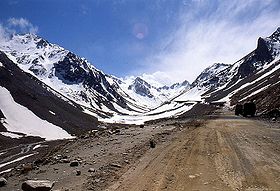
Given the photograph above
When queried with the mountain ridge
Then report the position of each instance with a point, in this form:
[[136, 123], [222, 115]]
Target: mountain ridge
[[76, 78], [134, 100]]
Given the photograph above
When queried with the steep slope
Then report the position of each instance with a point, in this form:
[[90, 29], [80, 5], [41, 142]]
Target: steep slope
[[263, 88], [251, 74], [23, 98], [72, 76], [209, 76], [141, 87], [254, 77]]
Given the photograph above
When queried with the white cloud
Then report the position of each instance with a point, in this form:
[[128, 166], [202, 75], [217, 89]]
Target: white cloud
[[157, 79], [225, 34], [22, 24], [3, 33], [16, 25]]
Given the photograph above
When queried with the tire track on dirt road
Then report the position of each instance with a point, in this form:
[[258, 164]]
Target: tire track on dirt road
[[228, 153]]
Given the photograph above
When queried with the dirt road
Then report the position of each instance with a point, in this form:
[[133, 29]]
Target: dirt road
[[228, 153]]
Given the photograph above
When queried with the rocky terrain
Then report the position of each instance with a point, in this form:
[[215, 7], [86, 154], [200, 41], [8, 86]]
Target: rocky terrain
[[93, 160], [214, 151]]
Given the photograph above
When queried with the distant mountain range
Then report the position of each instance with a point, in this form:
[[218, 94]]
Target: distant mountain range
[[46, 79]]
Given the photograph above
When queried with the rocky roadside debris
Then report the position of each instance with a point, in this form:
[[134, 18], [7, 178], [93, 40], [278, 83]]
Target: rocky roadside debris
[[91, 170], [74, 163], [91, 161], [152, 144], [37, 185]]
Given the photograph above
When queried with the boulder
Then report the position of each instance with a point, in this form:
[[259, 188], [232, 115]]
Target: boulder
[[37, 185], [152, 144], [78, 172], [65, 161], [26, 168], [74, 163], [3, 182], [91, 170]]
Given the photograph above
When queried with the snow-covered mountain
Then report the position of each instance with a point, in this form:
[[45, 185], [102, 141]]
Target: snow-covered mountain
[[254, 77], [99, 94], [209, 76], [249, 71], [56, 85], [72, 76], [151, 95]]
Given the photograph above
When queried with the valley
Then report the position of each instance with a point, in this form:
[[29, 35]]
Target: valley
[[215, 151], [66, 122]]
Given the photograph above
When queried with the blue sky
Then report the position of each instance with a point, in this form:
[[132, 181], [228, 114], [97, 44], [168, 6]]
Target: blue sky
[[167, 40]]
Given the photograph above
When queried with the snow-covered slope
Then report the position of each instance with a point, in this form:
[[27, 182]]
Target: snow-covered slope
[[30, 107], [21, 120], [99, 94], [249, 71], [151, 95], [254, 77], [209, 76], [72, 76]]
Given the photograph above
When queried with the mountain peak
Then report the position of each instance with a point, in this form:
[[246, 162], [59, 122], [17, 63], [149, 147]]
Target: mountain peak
[[275, 37], [185, 83], [141, 87], [27, 37], [262, 51]]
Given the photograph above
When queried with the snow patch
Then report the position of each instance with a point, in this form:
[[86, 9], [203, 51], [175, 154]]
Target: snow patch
[[12, 135], [5, 171], [16, 160], [193, 94], [22, 120], [258, 91], [170, 110], [36, 146], [51, 112], [2, 153]]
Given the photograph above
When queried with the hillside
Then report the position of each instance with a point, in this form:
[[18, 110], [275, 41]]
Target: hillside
[[32, 98]]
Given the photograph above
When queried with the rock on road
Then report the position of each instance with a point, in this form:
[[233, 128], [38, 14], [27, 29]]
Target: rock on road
[[227, 153]]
